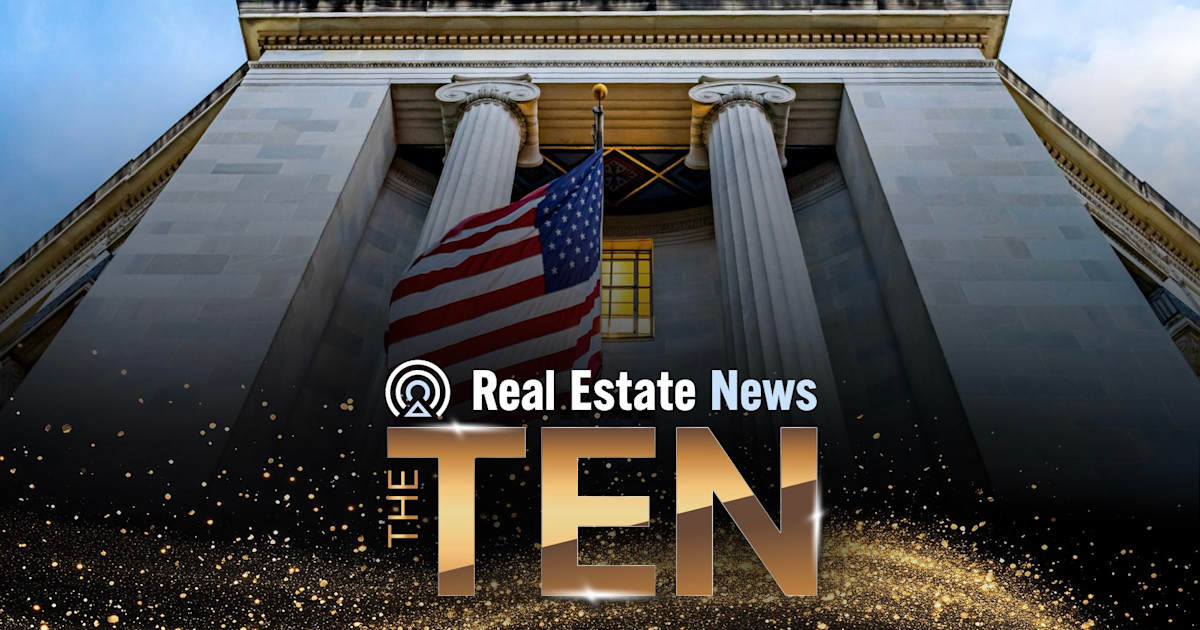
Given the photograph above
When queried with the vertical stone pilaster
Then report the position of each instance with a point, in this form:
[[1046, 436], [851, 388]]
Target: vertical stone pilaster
[[491, 128], [774, 327], [1020, 329], [199, 327]]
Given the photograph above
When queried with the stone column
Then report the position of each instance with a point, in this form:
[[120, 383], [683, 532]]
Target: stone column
[[491, 128], [738, 132]]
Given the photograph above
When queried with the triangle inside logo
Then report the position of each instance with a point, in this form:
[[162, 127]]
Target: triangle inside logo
[[417, 410]]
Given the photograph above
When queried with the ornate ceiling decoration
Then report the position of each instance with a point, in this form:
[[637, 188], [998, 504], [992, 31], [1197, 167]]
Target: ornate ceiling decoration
[[638, 180]]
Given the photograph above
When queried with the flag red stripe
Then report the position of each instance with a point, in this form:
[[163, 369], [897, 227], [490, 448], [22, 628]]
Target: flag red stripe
[[462, 310], [484, 218], [473, 265], [561, 360], [516, 333], [479, 238], [437, 308]]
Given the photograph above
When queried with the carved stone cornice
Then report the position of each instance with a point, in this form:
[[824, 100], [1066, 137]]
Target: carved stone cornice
[[113, 230], [367, 7], [1129, 209], [409, 180], [815, 184], [666, 228], [1137, 238], [978, 24], [632, 63], [516, 94], [713, 96], [383, 41], [108, 214]]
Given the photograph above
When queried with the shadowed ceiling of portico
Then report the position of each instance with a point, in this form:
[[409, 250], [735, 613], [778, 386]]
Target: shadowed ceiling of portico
[[636, 114], [637, 179]]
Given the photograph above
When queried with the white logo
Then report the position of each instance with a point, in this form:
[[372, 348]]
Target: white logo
[[418, 389]]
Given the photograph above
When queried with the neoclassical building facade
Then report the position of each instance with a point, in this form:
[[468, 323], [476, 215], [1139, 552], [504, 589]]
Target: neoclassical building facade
[[858, 192]]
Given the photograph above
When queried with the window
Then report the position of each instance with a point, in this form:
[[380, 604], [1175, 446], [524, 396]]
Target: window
[[625, 295]]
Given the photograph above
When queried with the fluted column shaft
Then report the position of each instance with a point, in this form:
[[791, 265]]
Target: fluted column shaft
[[479, 170], [774, 327], [492, 128]]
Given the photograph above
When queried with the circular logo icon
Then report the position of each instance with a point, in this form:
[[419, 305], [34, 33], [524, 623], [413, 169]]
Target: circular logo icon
[[417, 389]]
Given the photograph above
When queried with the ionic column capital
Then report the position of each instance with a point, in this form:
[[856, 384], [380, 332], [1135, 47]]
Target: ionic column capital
[[713, 96], [516, 94]]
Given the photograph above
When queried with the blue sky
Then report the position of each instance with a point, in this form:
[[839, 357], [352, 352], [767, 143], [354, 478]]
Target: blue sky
[[88, 85]]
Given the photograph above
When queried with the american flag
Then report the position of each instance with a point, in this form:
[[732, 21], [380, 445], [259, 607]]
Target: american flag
[[515, 290]]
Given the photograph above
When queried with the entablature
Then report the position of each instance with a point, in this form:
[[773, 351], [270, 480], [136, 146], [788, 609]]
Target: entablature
[[853, 23]]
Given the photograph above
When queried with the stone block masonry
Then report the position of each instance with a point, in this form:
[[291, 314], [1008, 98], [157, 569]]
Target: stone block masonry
[[1014, 315], [219, 295]]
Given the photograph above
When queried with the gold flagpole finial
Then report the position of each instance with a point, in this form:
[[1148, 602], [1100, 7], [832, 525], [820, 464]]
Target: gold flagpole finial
[[600, 92]]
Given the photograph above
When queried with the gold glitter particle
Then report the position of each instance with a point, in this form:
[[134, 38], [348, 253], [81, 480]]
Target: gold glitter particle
[[872, 576]]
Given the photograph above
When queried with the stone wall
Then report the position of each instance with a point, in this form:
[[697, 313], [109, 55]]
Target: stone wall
[[873, 387], [237, 260], [339, 408], [993, 271]]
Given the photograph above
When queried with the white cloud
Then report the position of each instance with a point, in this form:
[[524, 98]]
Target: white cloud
[[1128, 74], [1150, 77]]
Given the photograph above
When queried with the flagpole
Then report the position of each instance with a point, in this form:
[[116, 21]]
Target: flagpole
[[599, 91]]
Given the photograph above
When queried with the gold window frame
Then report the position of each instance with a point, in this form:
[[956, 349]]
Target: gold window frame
[[627, 290]]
